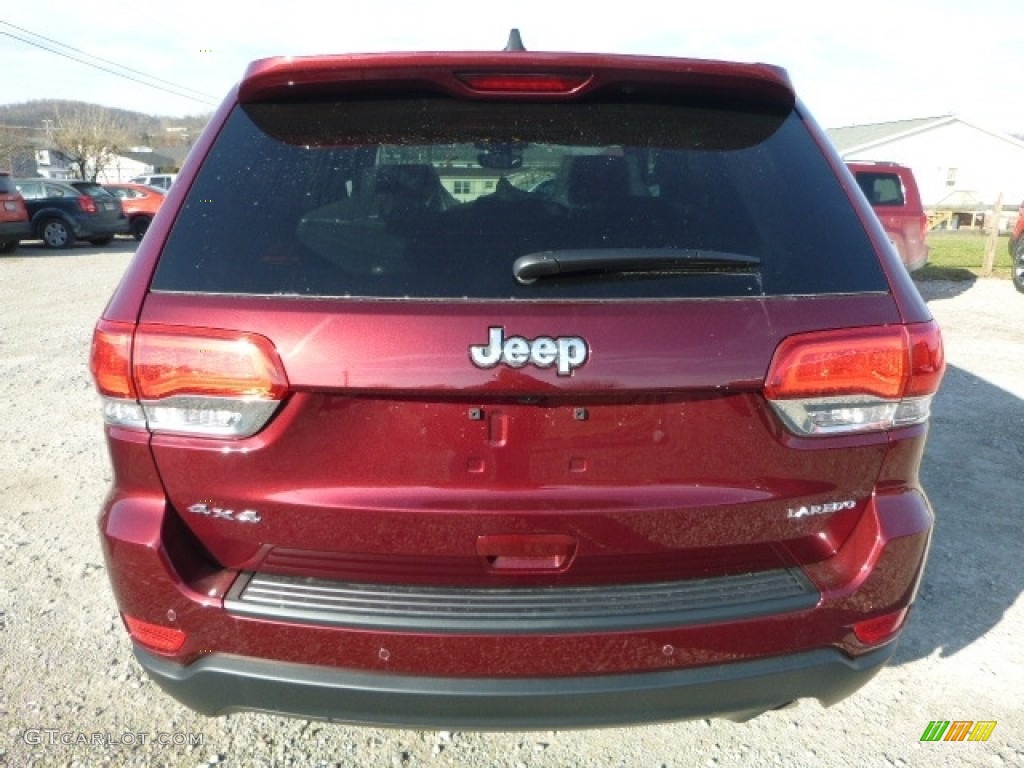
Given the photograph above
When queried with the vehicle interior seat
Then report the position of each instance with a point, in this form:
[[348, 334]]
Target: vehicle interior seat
[[586, 181]]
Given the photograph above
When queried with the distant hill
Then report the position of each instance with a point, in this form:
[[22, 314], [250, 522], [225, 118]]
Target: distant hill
[[30, 120]]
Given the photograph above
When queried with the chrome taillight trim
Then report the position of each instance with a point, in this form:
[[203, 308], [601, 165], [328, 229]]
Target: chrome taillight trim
[[848, 415], [215, 417]]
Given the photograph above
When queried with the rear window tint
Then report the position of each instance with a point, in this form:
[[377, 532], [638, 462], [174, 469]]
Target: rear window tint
[[427, 198], [881, 188], [90, 189]]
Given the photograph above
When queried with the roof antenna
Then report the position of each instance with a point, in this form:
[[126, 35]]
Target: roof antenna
[[515, 42]]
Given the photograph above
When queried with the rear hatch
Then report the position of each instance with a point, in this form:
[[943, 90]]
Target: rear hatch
[[506, 328], [105, 213]]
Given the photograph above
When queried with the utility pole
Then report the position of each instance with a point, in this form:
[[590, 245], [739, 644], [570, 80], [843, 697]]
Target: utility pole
[[993, 238]]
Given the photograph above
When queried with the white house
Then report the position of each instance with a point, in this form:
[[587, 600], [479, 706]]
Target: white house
[[53, 164], [127, 165], [50, 164], [958, 164]]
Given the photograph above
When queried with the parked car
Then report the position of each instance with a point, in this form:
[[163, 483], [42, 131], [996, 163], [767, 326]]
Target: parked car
[[140, 204], [1017, 251], [159, 180], [1017, 231], [65, 211], [14, 220], [892, 191], [645, 450]]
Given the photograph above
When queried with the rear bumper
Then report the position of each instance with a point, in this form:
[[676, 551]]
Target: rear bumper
[[566, 675], [101, 229], [86, 227], [913, 252], [918, 259], [15, 230], [220, 684]]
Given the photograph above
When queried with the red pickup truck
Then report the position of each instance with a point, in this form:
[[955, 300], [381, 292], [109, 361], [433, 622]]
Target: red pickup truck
[[892, 191], [1017, 251]]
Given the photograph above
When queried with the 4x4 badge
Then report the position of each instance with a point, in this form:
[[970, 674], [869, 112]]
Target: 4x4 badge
[[243, 516], [565, 353]]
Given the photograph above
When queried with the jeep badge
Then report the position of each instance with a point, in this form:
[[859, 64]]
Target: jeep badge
[[566, 353]]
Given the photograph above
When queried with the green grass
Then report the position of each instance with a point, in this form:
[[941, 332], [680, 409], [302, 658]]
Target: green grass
[[959, 256]]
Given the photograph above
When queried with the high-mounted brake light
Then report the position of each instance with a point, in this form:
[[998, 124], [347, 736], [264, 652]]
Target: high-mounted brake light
[[856, 380], [526, 82], [183, 380]]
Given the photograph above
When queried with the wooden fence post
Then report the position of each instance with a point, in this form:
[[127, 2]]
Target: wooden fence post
[[993, 238]]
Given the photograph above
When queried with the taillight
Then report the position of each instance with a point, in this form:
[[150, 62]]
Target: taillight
[[111, 359], [180, 380], [856, 380], [87, 204], [111, 365]]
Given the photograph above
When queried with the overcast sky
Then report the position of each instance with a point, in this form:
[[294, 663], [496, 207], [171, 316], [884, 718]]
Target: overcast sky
[[852, 63]]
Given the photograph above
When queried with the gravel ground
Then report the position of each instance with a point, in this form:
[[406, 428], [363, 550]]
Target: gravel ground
[[71, 693]]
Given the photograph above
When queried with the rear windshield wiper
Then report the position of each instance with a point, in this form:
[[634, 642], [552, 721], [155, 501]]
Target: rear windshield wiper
[[630, 261]]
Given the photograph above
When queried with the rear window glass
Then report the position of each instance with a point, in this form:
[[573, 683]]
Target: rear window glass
[[881, 188], [426, 198], [34, 190], [90, 189]]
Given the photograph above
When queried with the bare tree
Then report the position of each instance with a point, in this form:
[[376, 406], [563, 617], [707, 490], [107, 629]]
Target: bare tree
[[12, 146], [90, 138]]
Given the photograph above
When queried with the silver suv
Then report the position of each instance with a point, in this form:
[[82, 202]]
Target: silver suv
[[158, 180]]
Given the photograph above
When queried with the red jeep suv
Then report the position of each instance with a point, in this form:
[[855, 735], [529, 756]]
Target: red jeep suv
[[398, 440]]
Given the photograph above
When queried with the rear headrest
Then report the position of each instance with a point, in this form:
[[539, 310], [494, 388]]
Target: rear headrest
[[588, 180], [407, 187]]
